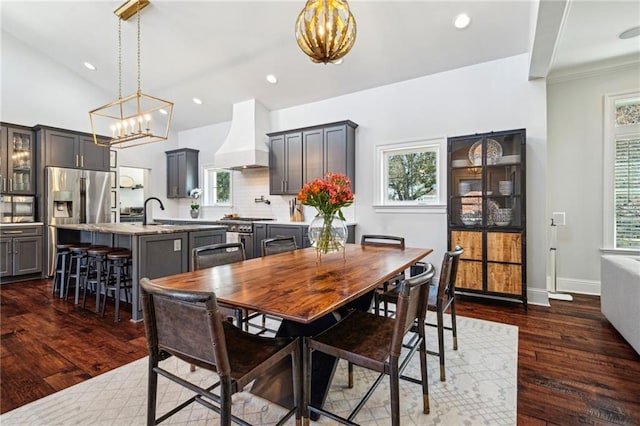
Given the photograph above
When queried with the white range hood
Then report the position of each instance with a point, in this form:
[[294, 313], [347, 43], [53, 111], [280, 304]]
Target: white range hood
[[246, 143]]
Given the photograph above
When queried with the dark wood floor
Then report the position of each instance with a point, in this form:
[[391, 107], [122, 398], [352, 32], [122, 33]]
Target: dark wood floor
[[573, 367]]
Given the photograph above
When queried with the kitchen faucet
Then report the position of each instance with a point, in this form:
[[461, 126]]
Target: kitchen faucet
[[144, 208]]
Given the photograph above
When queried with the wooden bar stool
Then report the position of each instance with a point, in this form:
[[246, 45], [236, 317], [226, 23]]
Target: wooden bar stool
[[96, 272], [118, 278], [77, 268], [60, 268]]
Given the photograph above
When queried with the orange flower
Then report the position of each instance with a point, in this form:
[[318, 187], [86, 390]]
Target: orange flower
[[328, 195]]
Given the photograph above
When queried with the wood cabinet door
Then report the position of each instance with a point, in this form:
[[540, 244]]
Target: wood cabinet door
[[469, 275], [277, 165], [92, 156], [335, 155], [504, 247], [313, 148], [27, 255], [504, 278], [294, 180], [6, 257], [61, 149], [470, 241]]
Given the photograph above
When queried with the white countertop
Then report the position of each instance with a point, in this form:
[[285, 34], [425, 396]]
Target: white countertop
[[272, 222]]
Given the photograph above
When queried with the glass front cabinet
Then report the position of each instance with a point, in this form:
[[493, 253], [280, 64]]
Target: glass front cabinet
[[486, 212], [16, 160]]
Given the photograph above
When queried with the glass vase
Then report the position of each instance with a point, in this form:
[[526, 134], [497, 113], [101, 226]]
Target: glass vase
[[195, 213], [328, 234]]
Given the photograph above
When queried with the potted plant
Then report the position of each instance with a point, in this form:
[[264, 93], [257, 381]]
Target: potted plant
[[195, 205]]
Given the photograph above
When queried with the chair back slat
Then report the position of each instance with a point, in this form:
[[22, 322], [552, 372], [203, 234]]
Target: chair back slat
[[217, 254], [411, 306], [382, 240], [184, 324], [278, 245]]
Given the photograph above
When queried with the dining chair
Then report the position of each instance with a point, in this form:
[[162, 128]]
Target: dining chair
[[278, 245], [188, 325], [375, 342], [216, 255], [383, 241], [441, 298]]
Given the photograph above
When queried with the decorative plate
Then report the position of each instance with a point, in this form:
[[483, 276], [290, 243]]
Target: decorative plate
[[494, 151], [492, 208], [126, 182]]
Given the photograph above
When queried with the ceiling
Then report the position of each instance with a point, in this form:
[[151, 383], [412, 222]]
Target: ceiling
[[221, 51]]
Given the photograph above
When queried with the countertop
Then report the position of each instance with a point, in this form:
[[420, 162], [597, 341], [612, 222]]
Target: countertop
[[271, 222], [137, 228]]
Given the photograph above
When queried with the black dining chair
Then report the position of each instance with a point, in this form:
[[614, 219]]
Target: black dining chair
[[216, 255], [188, 326], [278, 245], [375, 342], [441, 298], [384, 241]]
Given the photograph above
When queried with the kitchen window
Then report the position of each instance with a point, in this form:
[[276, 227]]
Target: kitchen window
[[410, 174], [622, 172], [217, 186]]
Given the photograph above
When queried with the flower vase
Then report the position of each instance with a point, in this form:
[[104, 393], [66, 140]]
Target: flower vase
[[328, 234], [195, 213]]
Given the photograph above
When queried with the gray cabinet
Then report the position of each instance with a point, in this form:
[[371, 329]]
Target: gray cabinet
[[299, 232], [300, 155], [285, 163], [182, 172], [163, 254], [17, 170], [20, 252], [63, 148]]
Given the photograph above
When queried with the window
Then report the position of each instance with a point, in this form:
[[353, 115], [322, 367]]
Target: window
[[217, 187], [410, 173], [622, 171]]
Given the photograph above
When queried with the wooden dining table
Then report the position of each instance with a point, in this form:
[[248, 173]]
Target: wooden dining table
[[305, 290]]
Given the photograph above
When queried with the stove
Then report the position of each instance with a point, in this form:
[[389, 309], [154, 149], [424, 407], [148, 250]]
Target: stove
[[240, 229]]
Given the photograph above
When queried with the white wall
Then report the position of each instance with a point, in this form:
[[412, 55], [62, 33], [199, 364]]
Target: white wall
[[480, 98], [575, 111]]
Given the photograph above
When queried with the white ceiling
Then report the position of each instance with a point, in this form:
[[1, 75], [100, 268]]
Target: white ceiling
[[221, 51]]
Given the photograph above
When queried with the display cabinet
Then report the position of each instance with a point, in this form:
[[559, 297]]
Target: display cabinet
[[17, 174], [486, 212]]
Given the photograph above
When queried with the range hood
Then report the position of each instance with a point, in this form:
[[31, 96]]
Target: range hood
[[245, 145]]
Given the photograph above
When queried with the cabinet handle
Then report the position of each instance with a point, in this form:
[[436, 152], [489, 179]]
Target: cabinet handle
[[77, 162], [10, 185], [4, 184], [82, 161], [12, 232], [282, 185]]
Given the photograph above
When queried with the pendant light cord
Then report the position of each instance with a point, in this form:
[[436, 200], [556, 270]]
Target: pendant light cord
[[120, 58], [138, 12]]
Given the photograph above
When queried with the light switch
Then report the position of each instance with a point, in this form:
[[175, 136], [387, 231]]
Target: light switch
[[559, 218], [177, 245]]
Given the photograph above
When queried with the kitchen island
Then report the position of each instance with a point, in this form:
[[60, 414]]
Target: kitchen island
[[157, 250]]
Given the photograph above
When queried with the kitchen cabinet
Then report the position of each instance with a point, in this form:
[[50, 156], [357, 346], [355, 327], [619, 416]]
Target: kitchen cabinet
[[300, 155], [182, 172], [17, 171], [64, 148], [285, 163], [20, 252], [486, 212], [298, 231]]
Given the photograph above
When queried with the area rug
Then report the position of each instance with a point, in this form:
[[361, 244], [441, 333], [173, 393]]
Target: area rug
[[480, 389]]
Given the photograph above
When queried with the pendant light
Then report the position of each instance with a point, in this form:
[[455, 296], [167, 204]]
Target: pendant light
[[138, 118], [326, 30]]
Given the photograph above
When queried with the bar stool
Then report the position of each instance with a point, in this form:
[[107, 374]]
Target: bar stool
[[96, 272], [77, 268], [60, 268], [118, 278]]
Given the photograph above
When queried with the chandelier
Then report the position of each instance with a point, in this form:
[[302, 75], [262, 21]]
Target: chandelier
[[326, 30], [138, 118]]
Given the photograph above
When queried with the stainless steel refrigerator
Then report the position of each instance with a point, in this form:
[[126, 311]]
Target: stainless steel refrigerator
[[74, 196]]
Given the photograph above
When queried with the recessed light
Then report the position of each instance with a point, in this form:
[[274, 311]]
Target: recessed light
[[272, 79], [90, 66], [462, 21], [197, 101], [630, 33]]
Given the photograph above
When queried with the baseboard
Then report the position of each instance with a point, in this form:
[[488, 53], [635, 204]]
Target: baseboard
[[572, 285]]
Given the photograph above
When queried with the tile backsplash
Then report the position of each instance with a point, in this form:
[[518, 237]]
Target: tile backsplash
[[249, 185]]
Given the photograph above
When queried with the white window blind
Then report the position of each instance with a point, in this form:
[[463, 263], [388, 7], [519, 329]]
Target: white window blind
[[627, 193]]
